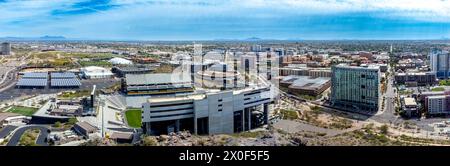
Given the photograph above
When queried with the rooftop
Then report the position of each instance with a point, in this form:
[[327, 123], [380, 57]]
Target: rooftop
[[160, 78], [305, 81], [410, 101], [86, 126], [370, 67]]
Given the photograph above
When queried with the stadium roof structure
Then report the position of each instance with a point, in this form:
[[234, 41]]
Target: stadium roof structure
[[157, 79], [32, 82], [62, 75], [35, 75], [71, 82]]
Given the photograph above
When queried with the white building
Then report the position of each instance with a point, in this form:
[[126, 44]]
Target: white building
[[95, 72], [437, 104], [209, 113], [120, 61], [250, 60]]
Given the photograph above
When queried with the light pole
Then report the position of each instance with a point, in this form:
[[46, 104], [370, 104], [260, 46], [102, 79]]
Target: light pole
[[103, 117]]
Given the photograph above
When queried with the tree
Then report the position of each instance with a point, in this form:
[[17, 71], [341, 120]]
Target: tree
[[57, 124], [72, 121], [384, 129]]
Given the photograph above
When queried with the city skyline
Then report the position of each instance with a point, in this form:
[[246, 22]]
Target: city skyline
[[227, 19]]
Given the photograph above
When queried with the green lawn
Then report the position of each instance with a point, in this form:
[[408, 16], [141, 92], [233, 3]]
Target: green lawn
[[27, 111], [95, 63], [438, 89], [134, 118]]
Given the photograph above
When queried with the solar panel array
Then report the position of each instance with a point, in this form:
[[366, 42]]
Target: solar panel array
[[32, 75], [41, 80], [32, 82], [70, 82], [62, 75]]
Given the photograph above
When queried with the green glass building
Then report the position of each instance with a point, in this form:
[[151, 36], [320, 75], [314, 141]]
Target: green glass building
[[355, 88]]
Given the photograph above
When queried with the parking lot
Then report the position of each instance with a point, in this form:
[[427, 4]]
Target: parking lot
[[13, 92]]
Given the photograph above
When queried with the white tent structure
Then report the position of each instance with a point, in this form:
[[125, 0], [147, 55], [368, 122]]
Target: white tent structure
[[95, 72], [120, 61]]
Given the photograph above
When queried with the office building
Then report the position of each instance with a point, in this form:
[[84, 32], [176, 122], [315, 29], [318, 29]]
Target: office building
[[415, 79], [5, 49], [355, 88], [440, 63]]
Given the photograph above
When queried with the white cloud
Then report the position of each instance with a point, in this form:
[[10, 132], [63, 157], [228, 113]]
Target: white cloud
[[37, 13]]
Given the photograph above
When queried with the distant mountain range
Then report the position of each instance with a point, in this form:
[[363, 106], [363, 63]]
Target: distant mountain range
[[33, 38], [251, 39]]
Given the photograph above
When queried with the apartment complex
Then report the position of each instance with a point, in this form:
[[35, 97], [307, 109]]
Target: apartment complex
[[355, 88]]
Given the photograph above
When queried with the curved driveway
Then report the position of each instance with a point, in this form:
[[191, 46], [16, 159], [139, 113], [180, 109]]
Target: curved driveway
[[41, 140]]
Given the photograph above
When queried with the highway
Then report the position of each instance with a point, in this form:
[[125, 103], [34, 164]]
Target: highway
[[41, 140]]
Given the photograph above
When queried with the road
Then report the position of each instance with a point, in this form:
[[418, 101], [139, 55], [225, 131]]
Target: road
[[41, 140], [7, 130], [9, 70]]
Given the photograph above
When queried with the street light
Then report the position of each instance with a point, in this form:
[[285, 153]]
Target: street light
[[103, 117]]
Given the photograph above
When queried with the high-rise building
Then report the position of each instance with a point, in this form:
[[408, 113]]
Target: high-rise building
[[440, 63], [6, 48], [256, 48], [355, 88]]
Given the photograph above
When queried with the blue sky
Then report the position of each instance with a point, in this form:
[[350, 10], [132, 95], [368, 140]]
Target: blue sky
[[226, 19]]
